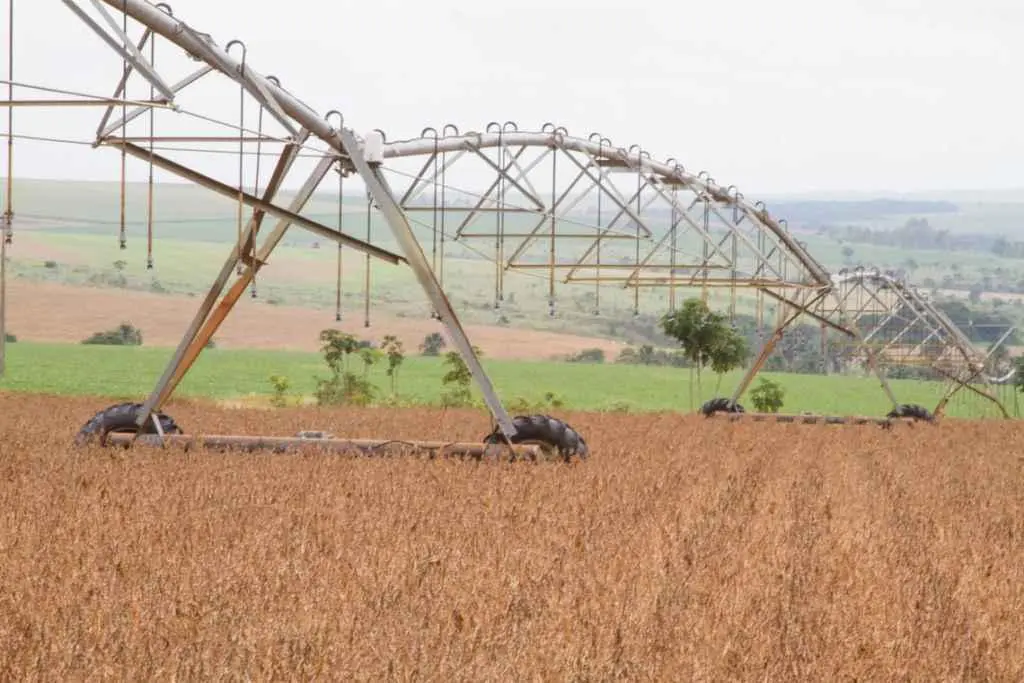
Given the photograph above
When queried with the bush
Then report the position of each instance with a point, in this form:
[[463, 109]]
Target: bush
[[458, 381], [648, 355], [587, 356], [124, 334], [523, 405], [432, 344], [10, 338], [281, 384], [767, 396]]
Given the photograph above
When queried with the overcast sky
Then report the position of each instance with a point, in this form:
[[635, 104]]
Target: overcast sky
[[774, 97]]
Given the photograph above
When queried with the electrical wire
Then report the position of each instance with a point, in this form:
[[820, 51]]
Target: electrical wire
[[114, 101]]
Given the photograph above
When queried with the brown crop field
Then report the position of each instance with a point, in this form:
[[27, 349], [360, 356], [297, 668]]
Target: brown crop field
[[684, 549]]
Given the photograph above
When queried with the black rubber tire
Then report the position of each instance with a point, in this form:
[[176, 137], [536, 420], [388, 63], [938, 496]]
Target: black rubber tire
[[720, 405], [551, 433], [912, 410], [121, 418]]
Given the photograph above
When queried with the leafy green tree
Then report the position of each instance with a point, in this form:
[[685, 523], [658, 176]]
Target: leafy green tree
[[337, 346], [706, 339], [343, 386], [392, 346], [729, 352]]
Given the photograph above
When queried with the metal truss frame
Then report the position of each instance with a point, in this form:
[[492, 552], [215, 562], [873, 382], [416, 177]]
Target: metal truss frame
[[739, 245], [890, 323], [347, 153], [737, 236], [682, 230]]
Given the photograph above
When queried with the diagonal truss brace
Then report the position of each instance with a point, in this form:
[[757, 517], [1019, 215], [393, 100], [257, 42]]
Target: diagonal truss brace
[[127, 50], [255, 202]]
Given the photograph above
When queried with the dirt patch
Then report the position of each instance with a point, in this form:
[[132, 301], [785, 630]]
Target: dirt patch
[[64, 313]]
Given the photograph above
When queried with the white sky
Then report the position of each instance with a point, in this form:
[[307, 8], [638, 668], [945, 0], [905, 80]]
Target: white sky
[[774, 97]]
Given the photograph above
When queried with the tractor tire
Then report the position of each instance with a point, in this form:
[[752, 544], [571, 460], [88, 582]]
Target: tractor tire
[[550, 433], [121, 418], [720, 405], [912, 410]]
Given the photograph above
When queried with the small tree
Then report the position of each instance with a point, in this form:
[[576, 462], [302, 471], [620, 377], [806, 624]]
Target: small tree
[[767, 396], [392, 346], [458, 379], [281, 384], [432, 344], [343, 386], [706, 339]]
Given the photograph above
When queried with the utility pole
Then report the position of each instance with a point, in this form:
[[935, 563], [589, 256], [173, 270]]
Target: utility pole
[[7, 221], [5, 224]]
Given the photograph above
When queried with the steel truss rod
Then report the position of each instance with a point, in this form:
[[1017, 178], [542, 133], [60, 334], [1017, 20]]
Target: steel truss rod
[[655, 281], [683, 215], [503, 173], [421, 183], [126, 73], [479, 206], [90, 102], [255, 202], [958, 384], [199, 138], [132, 55], [809, 312], [135, 113], [769, 345], [534, 234], [631, 266]]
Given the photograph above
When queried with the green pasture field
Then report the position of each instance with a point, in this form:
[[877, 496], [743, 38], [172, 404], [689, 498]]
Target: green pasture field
[[130, 373]]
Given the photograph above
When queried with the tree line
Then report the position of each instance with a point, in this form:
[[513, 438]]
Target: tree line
[[917, 233]]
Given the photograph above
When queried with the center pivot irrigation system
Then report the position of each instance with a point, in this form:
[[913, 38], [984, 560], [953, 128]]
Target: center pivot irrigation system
[[562, 209]]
